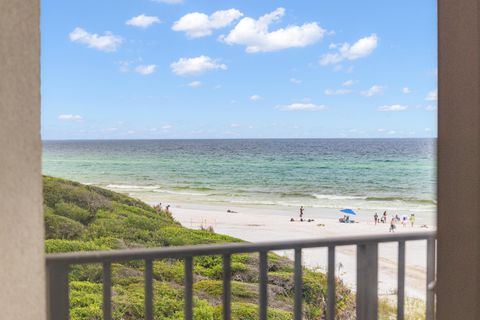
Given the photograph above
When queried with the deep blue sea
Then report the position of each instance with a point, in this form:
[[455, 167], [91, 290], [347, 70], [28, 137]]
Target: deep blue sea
[[324, 173]]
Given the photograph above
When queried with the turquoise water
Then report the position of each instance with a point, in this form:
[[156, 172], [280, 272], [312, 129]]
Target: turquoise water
[[323, 173]]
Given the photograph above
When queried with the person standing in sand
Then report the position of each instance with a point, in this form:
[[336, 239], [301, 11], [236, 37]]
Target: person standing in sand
[[301, 213], [412, 219], [392, 224], [375, 217]]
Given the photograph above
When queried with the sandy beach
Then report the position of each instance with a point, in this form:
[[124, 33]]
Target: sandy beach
[[256, 224]]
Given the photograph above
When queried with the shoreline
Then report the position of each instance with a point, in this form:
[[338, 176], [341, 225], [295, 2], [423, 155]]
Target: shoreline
[[267, 223]]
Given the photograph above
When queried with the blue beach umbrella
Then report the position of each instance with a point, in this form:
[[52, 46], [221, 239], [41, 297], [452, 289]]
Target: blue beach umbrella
[[348, 211]]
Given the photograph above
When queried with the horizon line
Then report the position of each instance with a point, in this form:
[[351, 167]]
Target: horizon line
[[172, 139]]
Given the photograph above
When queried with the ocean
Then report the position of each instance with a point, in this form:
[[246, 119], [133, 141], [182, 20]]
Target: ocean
[[363, 174]]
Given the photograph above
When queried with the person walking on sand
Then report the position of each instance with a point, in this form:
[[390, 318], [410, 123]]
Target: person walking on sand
[[375, 217], [384, 218], [412, 219], [392, 224], [301, 213], [404, 220]]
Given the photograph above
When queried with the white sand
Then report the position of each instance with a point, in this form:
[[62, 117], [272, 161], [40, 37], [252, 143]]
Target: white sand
[[256, 224]]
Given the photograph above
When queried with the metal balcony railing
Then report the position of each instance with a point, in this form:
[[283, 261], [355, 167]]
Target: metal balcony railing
[[58, 266]]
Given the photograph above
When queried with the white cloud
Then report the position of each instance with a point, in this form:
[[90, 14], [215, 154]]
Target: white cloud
[[332, 46], [406, 90], [301, 107], [392, 108], [330, 92], [146, 69], [341, 68], [124, 65], [431, 108], [348, 83], [195, 66], [108, 42], [255, 97], [360, 49], [295, 81], [195, 84], [373, 91], [167, 127], [197, 24], [142, 21], [254, 34], [386, 131], [431, 96], [70, 117]]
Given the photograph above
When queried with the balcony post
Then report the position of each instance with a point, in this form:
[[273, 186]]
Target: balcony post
[[458, 183], [367, 281], [58, 291]]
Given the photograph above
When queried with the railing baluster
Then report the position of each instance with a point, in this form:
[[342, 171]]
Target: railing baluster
[[58, 291], [263, 283], [401, 281], [148, 290], [227, 289], [367, 281], [298, 284], [430, 279], [107, 291], [331, 284], [188, 309]]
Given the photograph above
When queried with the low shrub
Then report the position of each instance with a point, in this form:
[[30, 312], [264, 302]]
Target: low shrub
[[73, 212], [58, 227], [60, 245]]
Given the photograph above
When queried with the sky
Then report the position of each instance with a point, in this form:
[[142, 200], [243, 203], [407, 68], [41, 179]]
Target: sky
[[182, 69]]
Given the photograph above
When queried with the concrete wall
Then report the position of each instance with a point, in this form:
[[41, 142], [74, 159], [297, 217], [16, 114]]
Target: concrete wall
[[22, 271], [458, 286]]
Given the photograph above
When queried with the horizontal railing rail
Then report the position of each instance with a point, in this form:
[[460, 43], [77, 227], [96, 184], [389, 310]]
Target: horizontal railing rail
[[58, 266]]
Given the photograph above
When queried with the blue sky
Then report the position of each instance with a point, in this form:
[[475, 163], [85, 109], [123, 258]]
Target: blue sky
[[159, 69]]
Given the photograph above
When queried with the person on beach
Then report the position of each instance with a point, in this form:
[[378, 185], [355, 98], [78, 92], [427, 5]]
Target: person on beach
[[167, 208], [375, 217], [158, 207], [404, 220], [412, 219], [301, 213], [392, 224], [384, 217]]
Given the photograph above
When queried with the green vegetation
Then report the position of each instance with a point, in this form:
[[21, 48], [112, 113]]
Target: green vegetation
[[84, 218]]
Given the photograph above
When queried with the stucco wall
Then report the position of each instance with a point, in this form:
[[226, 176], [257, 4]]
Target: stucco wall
[[22, 271]]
